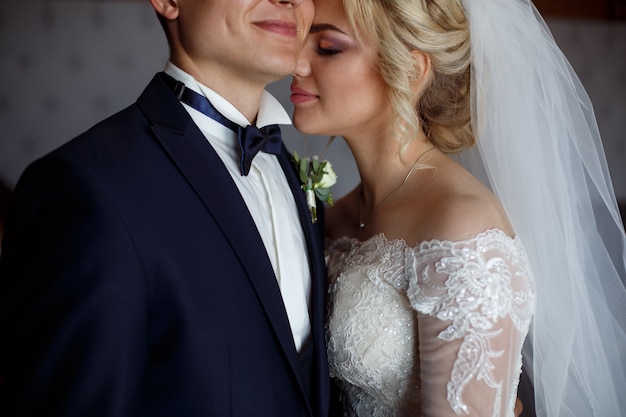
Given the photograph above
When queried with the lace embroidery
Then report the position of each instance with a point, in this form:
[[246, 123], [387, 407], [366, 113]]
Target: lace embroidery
[[478, 291], [371, 332], [375, 287]]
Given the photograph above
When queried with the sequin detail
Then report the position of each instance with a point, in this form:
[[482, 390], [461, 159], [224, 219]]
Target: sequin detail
[[379, 288]]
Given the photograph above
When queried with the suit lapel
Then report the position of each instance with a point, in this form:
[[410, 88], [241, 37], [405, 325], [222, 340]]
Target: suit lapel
[[313, 234], [205, 172]]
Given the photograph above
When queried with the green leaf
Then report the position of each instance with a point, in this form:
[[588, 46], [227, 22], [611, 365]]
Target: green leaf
[[303, 170], [316, 165]]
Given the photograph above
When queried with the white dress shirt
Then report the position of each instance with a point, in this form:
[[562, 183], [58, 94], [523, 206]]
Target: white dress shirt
[[267, 195]]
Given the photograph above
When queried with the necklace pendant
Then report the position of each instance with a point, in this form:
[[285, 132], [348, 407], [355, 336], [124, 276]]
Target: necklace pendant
[[362, 225]]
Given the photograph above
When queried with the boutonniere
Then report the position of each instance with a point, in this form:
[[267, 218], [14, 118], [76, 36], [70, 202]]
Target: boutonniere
[[317, 177]]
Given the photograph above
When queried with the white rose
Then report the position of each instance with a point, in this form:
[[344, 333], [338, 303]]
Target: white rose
[[329, 178]]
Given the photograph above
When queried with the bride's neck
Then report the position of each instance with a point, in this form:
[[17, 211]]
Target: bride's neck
[[383, 166]]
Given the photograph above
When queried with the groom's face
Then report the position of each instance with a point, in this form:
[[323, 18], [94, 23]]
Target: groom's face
[[250, 38]]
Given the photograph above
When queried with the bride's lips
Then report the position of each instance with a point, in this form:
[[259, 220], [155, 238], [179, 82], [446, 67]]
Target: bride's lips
[[300, 95], [280, 27]]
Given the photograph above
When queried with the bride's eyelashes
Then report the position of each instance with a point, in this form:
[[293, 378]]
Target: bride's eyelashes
[[328, 48], [325, 48], [327, 51]]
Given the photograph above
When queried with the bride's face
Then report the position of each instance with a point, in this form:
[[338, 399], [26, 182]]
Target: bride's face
[[336, 88]]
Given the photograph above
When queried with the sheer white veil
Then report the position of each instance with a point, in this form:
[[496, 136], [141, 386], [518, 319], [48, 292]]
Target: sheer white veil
[[541, 149]]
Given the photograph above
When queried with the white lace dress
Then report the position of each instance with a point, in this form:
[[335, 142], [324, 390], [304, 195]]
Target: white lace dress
[[431, 330]]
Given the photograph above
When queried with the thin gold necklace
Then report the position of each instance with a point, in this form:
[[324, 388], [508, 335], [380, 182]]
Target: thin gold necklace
[[363, 222]]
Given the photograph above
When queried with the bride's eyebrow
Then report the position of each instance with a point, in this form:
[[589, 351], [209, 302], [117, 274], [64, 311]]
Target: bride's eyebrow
[[319, 27]]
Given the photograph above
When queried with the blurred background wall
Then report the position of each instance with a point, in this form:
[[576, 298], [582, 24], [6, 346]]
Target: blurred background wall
[[66, 64]]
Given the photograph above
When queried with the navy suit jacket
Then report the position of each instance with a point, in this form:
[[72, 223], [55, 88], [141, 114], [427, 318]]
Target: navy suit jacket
[[133, 282]]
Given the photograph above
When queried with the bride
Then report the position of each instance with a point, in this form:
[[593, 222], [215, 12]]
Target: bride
[[436, 285]]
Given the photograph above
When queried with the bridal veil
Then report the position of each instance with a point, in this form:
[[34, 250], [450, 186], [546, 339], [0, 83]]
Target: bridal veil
[[541, 150]]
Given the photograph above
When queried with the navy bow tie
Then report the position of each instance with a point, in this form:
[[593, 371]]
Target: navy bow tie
[[251, 138]]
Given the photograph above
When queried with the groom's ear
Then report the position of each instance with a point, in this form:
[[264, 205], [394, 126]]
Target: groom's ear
[[422, 75], [167, 12], [166, 9]]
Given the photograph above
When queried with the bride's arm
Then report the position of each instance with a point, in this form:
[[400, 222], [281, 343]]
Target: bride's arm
[[473, 301]]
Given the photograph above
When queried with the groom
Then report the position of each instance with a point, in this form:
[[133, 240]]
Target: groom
[[154, 266]]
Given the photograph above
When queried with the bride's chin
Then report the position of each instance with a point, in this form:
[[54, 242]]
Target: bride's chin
[[305, 129], [308, 125]]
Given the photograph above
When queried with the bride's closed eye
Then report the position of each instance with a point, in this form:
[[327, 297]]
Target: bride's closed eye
[[328, 48], [330, 40]]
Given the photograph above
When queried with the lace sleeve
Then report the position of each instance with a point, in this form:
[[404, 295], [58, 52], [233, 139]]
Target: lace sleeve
[[474, 301]]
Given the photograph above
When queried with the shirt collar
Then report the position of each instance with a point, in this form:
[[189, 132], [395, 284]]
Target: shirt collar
[[270, 109]]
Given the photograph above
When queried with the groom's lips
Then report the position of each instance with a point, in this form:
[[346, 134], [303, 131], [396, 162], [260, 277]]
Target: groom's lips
[[279, 27], [300, 95]]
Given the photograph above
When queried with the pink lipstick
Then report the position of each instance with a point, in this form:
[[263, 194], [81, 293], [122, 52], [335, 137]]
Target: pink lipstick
[[301, 96]]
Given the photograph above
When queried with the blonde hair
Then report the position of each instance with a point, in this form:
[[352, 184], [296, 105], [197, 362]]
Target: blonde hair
[[439, 29]]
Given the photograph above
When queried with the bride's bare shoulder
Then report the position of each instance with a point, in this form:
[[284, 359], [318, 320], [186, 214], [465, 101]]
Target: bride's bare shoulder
[[458, 208]]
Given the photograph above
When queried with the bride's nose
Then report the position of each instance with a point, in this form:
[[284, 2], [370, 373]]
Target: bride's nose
[[303, 66]]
